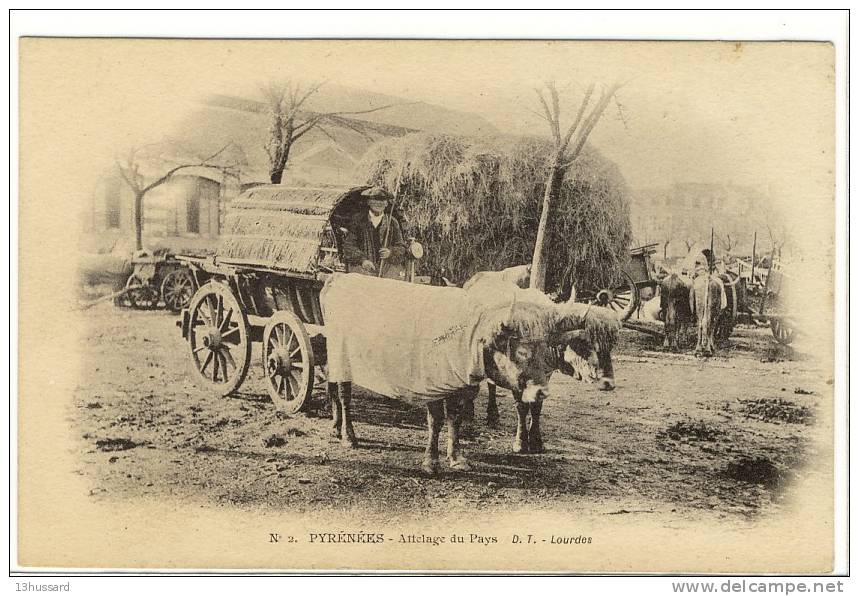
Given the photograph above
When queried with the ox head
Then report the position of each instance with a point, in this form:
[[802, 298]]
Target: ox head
[[518, 348], [588, 335]]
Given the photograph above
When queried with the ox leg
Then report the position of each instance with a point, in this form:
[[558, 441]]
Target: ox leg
[[453, 409], [535, 438], [698, 343], [520, 442], [466, 417], [669, 328], [435, 417], [336, 410], [711, 339], [347, 437], [492, 406]]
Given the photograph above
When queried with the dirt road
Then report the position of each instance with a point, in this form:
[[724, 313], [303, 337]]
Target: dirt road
[[727, 436]]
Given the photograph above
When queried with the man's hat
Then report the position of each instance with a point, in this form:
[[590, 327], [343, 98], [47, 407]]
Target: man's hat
[[376, 193]]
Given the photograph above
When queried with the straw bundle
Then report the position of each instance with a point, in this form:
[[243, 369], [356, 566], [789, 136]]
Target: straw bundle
[[475, 204], [278, 226]]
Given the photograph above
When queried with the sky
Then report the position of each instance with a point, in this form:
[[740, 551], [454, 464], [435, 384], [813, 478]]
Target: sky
[[758, 114]]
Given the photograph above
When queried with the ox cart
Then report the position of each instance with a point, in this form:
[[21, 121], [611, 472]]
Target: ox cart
[[624, 297], [777, 288], [279, 246], [158, 278]]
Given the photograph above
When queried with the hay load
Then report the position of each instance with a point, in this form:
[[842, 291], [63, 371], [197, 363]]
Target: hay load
[[475, 204]]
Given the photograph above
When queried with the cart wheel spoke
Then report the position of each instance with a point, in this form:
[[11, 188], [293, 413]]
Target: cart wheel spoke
[[216, 365], [229, 333], [229, 358], [226, 323], [208, 361], [293, 385]]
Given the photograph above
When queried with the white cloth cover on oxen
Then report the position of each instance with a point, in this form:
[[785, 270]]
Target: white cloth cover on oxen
[[408, 341], [650, 309]]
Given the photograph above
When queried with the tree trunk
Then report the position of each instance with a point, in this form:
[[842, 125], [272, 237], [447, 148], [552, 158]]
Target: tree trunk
[[550, 201], [280, 166], [138, 220]]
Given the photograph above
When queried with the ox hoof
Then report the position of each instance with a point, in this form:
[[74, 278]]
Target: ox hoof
[[335, 432], [349, 442], [536, 447], [492, 421], [519, 446], [460, 464], [430, 466]]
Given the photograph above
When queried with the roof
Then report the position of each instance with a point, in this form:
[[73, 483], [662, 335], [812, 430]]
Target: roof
[[279, 227]]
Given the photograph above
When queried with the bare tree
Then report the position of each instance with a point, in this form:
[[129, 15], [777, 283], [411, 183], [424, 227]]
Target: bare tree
[[774, 222], [726, 242], [129, 169], [689, 244], [567, 146], [290, 121], [665, 248]]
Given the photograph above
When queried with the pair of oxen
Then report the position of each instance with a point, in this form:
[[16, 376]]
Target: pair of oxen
[[701, 301], [437, 344]]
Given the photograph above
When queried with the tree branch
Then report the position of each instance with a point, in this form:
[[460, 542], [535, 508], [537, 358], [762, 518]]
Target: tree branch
[[131, 183], [591, 122], [172, 171], [585, 101], [550, 118]]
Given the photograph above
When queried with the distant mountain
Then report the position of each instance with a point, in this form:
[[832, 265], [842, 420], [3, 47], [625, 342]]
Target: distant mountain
[[324, 155], [403, 113]]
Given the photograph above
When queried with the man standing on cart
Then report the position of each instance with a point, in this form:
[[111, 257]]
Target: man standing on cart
[[374, 240]]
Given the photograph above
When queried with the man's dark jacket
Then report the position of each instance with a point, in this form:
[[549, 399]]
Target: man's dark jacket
[[363, 241]]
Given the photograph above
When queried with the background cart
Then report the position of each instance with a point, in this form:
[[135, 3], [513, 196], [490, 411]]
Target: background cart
[[772, 306], [625, 296], [156, 279], [263, 285]]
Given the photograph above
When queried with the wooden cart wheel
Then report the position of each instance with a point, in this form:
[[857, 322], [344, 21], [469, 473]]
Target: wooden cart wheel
[[288, 362], [218, 338], [782, 331], [177, 289], [623, 299], [142, 296]]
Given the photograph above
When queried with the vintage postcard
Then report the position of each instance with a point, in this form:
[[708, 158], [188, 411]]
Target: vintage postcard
[[486, 306]]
